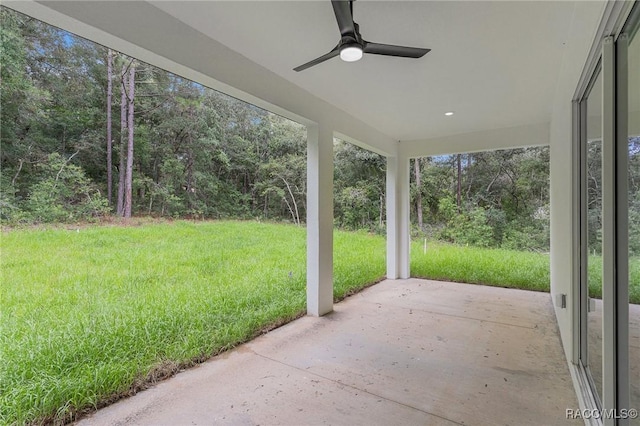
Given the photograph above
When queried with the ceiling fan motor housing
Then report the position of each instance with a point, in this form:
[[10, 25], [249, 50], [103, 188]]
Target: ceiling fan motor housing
[[352, 46]]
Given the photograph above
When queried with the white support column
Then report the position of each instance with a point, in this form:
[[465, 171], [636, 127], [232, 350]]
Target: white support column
[[393, 237], [398, 228], [403, 216], [319, 220]]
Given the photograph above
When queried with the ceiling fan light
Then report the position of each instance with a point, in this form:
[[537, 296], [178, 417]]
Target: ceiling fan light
[[351, 53]]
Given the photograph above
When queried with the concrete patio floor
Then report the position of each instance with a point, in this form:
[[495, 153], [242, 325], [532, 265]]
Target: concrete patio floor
[[401, 352]]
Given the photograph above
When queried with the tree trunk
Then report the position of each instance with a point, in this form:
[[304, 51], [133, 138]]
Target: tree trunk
[[123, 129], [109, 138], [296, 216], [129, 170], [459, 191], [189, 170], [469, 177], [190, 189], [13, 182], [416, 164]]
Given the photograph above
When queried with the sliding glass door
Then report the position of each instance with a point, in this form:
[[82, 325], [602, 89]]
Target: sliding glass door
[[592, 246], [633, 140], [608, 129]]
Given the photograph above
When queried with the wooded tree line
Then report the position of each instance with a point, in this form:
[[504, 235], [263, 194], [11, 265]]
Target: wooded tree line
[[487, 199], [88, 132]]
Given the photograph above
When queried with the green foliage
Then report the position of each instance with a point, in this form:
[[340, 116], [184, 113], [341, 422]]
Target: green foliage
[[356, 206], [281, 182], [15, 84], [9, 210], [503, 198], [526, 237], [447, 209], [197, 153], [359, 188], [64, 194], [469, 228]]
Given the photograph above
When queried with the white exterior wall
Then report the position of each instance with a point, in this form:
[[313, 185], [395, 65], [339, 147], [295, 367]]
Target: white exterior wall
[[561, 194]]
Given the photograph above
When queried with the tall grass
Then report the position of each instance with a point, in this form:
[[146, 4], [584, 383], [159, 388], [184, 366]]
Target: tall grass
[[498, 267], [89, 315], [504, 268], [594, 273], [93, 314], [358, 261]]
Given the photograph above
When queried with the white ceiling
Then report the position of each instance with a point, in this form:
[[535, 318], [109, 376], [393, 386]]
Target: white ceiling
[[496, 64]]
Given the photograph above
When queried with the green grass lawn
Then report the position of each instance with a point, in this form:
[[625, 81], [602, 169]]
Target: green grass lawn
[[92, 314], [503, 268], [595, 278]]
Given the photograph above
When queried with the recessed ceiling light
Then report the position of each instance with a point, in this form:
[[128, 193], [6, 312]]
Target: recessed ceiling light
[[448, 114]]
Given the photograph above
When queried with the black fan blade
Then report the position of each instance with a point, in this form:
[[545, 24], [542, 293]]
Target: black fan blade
[[342, 9], [391, 50], [335, 52]]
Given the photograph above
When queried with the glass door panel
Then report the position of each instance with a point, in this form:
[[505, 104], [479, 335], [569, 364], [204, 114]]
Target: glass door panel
[[634, 219], [593, 281]]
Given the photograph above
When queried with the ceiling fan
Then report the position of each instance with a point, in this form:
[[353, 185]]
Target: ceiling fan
[[352, 46]]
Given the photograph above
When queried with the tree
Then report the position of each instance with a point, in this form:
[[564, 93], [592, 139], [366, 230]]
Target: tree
[[64, 193], [284, 179], [128, 186], [359, 187], [18, 98], [50, 104], [123, 127], [109, 137]]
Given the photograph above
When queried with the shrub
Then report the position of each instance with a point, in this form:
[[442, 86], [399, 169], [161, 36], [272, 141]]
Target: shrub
[[10, 211], [64, 194], [467, 228], [525, 237]]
